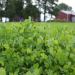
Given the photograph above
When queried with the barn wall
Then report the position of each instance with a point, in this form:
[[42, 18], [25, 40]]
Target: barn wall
[[62, 16]]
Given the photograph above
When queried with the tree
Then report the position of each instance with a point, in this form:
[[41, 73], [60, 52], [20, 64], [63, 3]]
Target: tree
[[55, 11], [2, 5], [13, 8], [64, 6], [28, 2], [10, 9], [0, 9], [47, 5], [19, 7], [32, 11], [24, 8]]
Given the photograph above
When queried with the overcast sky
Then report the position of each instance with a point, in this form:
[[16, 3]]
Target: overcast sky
[[69, 2]]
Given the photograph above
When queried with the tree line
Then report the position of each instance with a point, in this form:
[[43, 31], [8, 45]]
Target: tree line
[[25, 8]]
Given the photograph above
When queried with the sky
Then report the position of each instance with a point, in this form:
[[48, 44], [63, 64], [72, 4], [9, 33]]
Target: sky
[[69, 2]]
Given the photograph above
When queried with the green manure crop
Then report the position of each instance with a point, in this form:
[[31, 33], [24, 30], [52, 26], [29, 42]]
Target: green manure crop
[[29, 48]]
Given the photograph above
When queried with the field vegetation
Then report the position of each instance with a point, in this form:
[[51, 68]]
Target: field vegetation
[[30, 48]]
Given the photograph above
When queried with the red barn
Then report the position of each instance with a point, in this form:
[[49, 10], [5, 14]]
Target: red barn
[[66, 16]]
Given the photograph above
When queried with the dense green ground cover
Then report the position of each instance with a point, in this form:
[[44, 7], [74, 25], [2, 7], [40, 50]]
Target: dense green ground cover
[[37, 48]]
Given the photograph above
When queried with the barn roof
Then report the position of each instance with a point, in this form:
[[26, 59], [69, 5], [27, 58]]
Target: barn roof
[[68, 12]]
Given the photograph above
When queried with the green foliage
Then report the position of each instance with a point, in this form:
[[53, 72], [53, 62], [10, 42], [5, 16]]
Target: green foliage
[[63, 6], [31, 10], [16, 6], [30, 48]]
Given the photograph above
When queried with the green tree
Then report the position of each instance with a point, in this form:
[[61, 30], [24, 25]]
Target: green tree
[[32, 11], [28, 1], [54, 11], [10, 10], [13, 8], [19, 7], [64, 6], [2, 3]]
